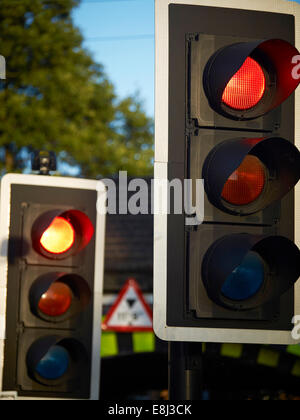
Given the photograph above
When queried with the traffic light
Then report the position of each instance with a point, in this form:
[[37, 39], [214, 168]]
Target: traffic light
[[52, 242], [226, 89]]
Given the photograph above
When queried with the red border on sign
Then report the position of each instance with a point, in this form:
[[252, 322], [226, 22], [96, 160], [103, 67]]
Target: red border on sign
[[130, 283]]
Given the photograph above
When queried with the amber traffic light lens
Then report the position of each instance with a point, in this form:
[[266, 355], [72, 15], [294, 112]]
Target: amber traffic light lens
[[246, 184], [59, 236], [56, 301], [246, 88], [54, 364]]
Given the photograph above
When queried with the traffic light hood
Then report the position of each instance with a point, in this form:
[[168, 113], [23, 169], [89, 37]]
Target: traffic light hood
[[276, 60]]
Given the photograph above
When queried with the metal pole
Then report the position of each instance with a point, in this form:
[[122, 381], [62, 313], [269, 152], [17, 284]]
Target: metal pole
[[185, 371]]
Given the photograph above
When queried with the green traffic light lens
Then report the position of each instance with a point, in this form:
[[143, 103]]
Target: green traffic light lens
[[246, 280]]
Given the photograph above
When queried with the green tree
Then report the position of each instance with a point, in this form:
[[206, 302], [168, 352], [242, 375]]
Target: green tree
[[57, 98]]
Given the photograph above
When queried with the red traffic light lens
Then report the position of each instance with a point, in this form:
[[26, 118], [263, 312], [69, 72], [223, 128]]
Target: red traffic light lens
[[246, 88], [246, 183], [56, 301], [59, 237]]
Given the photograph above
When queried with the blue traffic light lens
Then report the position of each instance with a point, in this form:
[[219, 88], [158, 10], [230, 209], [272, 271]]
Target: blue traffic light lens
[[246, 280], [54, 364]]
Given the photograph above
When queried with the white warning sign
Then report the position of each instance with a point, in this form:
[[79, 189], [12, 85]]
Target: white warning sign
[[130, 312]]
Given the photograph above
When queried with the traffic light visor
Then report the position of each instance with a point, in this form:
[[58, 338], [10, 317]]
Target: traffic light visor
[[54, 364], [59, 234], [246, 279], [243, 271], [54, 360], [246, 80], [246, 183], [56, 301], [57, 297]]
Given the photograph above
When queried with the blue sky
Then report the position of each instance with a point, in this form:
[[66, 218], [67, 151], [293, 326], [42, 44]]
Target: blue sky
[[120, 35]]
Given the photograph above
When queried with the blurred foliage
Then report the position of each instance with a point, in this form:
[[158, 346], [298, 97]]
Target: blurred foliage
[[57, 98]]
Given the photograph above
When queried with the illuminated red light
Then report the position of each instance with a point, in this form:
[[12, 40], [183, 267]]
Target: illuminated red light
[[56, 301], [246, 88], [246, 184], [59, 236]]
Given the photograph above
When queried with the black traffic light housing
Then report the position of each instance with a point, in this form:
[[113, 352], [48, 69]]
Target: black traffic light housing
[[207, 47], [54, 246]]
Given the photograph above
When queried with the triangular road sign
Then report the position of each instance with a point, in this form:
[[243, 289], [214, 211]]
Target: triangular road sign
[[130, 312]]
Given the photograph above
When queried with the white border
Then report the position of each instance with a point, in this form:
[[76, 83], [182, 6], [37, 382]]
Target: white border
[[5, 201], [161, 172]]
